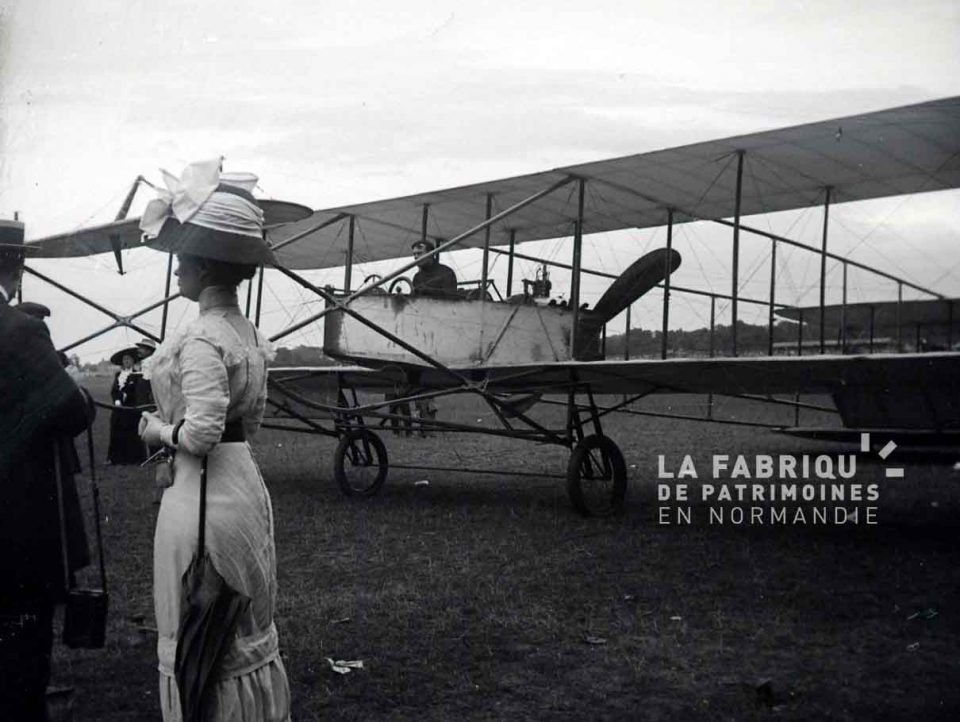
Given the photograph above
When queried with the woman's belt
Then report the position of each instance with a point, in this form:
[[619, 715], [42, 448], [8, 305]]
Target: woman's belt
[[233, 432]]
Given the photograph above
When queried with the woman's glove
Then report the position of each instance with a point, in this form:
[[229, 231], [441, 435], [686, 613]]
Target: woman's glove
[[152, 429]]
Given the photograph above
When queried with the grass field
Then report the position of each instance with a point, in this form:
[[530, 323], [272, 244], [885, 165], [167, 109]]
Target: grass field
[[481, 597]]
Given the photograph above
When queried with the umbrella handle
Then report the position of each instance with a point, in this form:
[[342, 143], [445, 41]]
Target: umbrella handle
[[95, 489], [201, 531], [61, 513]]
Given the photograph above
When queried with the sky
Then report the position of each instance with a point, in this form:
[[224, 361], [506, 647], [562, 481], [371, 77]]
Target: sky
[[341, 103]]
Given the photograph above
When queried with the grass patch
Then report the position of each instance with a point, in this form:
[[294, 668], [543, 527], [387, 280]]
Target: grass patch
[[486, 597]]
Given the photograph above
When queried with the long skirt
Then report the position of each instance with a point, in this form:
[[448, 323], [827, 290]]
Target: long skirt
[[252, 683], [125, 444]]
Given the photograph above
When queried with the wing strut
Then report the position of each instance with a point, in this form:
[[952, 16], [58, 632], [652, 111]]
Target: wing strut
[[736, 252], [823, 273], [575, 279], [348, 267], [667, 270], [115, 242]]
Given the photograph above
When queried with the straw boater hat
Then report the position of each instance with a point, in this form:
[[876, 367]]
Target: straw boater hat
[[146, 347], [131, 351], [210, 214]]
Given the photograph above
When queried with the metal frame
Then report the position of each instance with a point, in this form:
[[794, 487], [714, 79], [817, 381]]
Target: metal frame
[[350, 414], [575, 267], [576, 270]]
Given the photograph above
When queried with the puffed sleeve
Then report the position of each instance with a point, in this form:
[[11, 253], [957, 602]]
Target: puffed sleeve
[[206, 394]]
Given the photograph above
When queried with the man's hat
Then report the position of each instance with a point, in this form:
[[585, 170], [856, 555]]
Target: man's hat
[[131, 351], [37, 310], [146, 347], [11, 237], [423, 242]]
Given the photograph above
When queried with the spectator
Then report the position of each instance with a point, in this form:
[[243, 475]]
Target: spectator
[[40, 408], [125, 445]]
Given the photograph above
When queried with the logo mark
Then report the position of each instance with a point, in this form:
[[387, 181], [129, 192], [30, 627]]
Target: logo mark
[[891, 472]]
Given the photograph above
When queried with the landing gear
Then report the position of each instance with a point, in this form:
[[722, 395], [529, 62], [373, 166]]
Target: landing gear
[[360, 463], [597, 477]]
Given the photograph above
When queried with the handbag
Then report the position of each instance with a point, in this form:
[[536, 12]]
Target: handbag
[[85, 613]]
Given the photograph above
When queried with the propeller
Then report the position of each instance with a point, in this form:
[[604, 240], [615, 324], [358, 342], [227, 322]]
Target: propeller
[[642, 275]]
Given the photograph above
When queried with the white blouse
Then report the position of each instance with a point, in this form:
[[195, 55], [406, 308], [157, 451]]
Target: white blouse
[[211, 372]]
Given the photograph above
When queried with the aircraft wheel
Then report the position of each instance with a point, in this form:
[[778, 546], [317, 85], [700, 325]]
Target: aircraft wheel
[[360, 463], [597, 477]]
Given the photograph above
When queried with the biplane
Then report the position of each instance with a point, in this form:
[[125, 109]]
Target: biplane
[[524, 349]]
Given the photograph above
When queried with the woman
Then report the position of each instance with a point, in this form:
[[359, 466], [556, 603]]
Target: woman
[[125, 445], [209, 385]]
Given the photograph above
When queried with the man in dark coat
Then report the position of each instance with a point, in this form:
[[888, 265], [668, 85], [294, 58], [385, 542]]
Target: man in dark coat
[[432, 278], [40, 407]]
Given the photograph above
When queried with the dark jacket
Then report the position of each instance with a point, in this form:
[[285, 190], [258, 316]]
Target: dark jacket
[[130, 393], [437, 280], [40, 407], [125, 444]]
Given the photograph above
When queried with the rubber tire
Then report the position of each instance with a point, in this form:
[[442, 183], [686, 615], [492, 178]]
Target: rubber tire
[[613, 460], [349, 442]]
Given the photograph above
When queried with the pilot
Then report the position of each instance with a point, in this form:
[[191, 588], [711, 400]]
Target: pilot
[[433, 278]]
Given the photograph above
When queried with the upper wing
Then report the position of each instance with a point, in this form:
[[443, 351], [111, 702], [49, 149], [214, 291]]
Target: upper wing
[[903, 150]]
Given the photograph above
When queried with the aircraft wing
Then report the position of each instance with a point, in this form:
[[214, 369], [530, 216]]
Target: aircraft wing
[[882, 316], [90, 241], [877, 390], [898, 151], [121, 235], [910, 149]]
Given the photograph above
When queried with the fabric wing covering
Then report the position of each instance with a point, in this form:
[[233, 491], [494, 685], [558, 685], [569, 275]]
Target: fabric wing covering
[[911, 149], [892, 152]]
